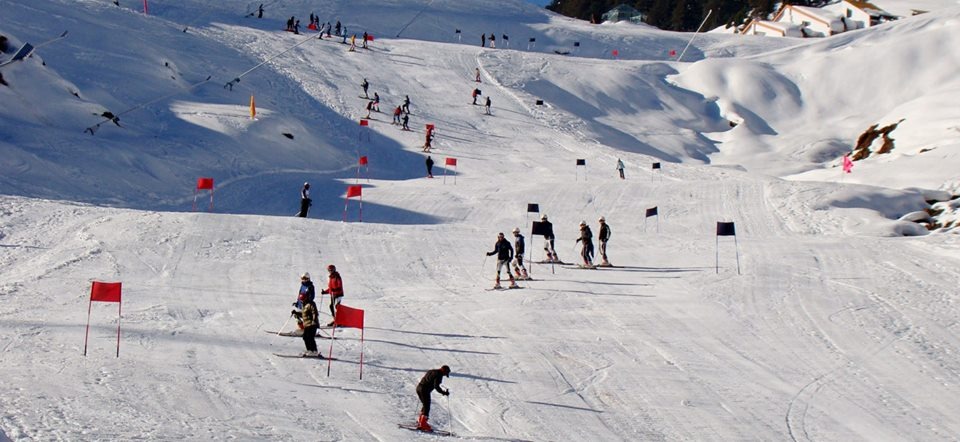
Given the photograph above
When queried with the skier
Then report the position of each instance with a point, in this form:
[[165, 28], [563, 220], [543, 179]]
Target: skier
[[428, 143], [259, 11], [406, 104], [487, 106], [396, 115], [483, 40], [518, 247], [365, 86], [309, 318], [478, 75], [604, 236], [353, 48], [344, 35], [338, 28], [365, 38], [406, 119], [334, 289], [430, 381], [586, 237], [504, 252], [429, 167], [306, 290], [305, 201], [328, 27], [290, 24], [474, 95], [493, 41], [376, 102], [548, 240], [369, 109], [296, 27], [620, 168]]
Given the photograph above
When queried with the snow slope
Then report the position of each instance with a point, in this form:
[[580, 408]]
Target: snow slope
[[820, 321]]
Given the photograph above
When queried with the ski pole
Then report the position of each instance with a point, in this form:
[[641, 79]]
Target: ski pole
[[449, 410], [281, 329]]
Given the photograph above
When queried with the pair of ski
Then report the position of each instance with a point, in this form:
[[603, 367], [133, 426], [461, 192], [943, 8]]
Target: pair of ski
[[299, 334], [318, 357], [414, 427], [503, 288]]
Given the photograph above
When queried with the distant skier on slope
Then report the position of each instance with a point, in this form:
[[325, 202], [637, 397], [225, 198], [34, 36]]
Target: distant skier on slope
[[305, 201], [429, 163], [586, 238], [604, 236], [548, 239], [504, 252], [428, 383], [487, 106], [376, 102], [474, 94], [518, 249], [396, 115], [406, 121], [406, 104], [620, 167], [334, 289], [365, 85]]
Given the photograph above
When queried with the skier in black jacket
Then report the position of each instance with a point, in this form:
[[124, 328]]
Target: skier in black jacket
[[430, 381], [586, 236], [504, 252], [604, 236], [549, 239], [518, 249]]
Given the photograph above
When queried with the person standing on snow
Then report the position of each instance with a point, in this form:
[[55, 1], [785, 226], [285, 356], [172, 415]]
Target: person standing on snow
[[478, 75], [369, 109], [365, 38], [493, 41], [604, 236], [376, 102], [504, 252], [483, 40], [428, 383], [305, 201], [548, 240], [396, 115], [334, 289], [310, 320], [306, 290], [620, 168], [406, 119], [474, 95], [586, 237], [353, 48], [406, 104], [487, 106], [429, 167], [338, 28], [364, 85], [518, 247]]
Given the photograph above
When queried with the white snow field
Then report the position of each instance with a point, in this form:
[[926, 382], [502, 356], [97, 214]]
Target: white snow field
[[831, 316]]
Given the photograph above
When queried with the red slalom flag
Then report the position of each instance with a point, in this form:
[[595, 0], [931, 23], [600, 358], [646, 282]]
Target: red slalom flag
[[847, 163], [353, 191], [349, 317], [363, 160], [346, 317], [104, 292], [616, 53], [204, 183], [253, 108], [451, 162], [673, 52], [364, 123]]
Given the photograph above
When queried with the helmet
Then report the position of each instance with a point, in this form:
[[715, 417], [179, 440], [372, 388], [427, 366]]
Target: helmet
[[516, 230], [445, 370], [544, 217], [305, 275], [602, 220], [583, 223], [306, 184], [331, 267], [500, 234]]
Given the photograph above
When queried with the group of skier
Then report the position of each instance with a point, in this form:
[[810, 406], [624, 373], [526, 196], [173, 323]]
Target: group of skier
[[306, 312]]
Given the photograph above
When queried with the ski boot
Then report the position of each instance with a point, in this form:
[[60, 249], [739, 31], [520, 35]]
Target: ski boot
[[422, 424]]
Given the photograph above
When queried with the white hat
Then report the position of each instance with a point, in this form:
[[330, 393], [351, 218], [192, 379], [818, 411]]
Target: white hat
[[543, 217], [601, 219], [305, 275], [583, 223], [516, 230]]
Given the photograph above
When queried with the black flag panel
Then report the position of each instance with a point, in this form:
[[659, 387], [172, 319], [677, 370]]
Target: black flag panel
[[581, 162], [726, 229], [656, 165], [533, 208], [651, 212], [539, 102], [540, 228]]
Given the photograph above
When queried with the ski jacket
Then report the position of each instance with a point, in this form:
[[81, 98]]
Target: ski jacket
[[502, 249], [547, 230], [431, 381], [305, 193], [307, 290], [429, 162], [518, 244], [335, 285], [586, 235], [619, 165], [604, 232], [309, 315]]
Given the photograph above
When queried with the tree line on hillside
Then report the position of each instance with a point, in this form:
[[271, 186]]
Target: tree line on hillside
[[679, 15]]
